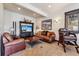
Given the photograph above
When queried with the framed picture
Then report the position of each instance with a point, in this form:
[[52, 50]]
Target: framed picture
[[47, 24]]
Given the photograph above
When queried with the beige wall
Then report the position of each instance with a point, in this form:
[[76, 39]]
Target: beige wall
[[1, 18]]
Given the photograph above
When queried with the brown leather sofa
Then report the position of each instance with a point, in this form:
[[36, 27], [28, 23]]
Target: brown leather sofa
[[46, 36], [12, 45]]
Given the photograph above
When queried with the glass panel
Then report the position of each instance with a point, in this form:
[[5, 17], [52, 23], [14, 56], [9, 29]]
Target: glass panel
[[72, 21]]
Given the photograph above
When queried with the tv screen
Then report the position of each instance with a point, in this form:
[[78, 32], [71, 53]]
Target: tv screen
[[26, 27]]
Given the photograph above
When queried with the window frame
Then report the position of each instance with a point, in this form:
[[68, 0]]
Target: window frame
[[76, 11]]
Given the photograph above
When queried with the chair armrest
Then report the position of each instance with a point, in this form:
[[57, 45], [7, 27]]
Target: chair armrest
[[72, 33], [17, 41]]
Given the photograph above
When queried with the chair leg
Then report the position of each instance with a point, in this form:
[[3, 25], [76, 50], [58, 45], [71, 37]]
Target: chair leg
[[77, 49], [64, 48], [75, 43]]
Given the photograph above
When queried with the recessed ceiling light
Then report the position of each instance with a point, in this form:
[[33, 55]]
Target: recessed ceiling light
[[19, 8], [49, 6]]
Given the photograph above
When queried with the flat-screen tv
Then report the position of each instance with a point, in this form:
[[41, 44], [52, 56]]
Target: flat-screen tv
[[26, 27]]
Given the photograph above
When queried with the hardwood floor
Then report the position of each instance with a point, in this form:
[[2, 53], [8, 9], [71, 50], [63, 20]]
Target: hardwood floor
[[45, 49]]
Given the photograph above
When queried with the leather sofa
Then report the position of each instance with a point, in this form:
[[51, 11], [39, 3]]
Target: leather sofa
[[12, 45], [46, 36]]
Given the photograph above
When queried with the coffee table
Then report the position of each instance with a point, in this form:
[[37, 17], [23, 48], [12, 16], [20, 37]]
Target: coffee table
[[33, 40]]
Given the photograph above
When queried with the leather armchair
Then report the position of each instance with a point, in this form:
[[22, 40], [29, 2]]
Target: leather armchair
[[46, 36], [10, 45], [67, 37]]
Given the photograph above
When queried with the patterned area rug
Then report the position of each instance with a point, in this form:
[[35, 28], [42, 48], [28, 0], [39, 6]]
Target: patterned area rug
[[46, 49]]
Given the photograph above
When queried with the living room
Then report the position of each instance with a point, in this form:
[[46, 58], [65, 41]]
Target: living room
[[26, 21]]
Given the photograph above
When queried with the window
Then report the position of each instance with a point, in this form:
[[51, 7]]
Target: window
[[72, 20]]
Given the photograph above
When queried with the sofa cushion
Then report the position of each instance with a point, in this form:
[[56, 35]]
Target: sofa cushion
[[5, 40], [18, 41], [49, 34], [38, 33], [8, 36], [68, 38], [44, 33]]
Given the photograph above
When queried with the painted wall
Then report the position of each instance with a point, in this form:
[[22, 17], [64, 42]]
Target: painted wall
[[10, 16], [58, 19], [1, 18]]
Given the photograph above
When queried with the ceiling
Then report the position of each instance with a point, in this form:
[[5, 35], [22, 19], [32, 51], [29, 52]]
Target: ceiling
[[14, 8], [50, 11], [55, 7]]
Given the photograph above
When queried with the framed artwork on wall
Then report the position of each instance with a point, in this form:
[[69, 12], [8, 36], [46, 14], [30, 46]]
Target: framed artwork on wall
[[46, 24]]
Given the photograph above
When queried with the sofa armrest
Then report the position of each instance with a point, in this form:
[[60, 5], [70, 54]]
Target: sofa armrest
[[45, 37], [17, 41], [51, 34]]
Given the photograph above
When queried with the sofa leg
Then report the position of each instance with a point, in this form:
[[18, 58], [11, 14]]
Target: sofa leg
[[58, 43]]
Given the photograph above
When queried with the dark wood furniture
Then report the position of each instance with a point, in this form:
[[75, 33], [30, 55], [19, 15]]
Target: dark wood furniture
[[77, 48], [66, 37]]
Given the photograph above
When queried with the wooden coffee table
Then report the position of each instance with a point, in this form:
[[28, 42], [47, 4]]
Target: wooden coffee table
[[32, 40]]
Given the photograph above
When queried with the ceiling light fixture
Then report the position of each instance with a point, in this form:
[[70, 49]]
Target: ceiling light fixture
[[49, 6], [19, 8]]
